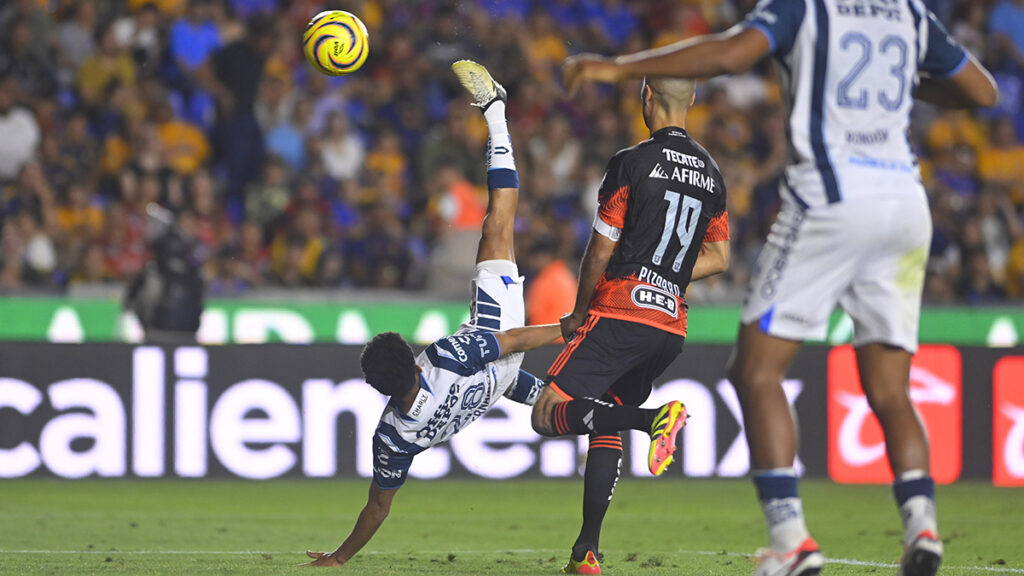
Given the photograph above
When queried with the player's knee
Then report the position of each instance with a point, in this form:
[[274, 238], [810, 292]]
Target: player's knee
[[748, 380], [888, 400], [540, 419], [498, 228]]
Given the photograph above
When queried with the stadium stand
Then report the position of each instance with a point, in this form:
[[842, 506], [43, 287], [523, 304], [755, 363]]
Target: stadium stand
[[289, 178]]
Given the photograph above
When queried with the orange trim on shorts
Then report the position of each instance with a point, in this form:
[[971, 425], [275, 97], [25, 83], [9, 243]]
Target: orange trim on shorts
[[559, 391], [581, 334], [636, 320]]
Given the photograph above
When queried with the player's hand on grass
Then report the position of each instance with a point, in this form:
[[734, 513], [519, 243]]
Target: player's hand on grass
[[588, 68], [322, 559], [570, 323]]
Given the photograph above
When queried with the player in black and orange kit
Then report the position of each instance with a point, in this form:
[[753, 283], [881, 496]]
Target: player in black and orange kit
[[662, 222]]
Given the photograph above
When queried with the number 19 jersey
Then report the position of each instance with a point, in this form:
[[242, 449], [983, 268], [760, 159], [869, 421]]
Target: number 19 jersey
[[660, 200]]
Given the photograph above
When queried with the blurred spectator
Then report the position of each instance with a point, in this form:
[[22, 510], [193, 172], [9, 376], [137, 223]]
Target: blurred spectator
[[111, 63], [1006, 24], [551, 292], [81, 219], [27, 59], [76, 34], [295, 252], [558, 150], [184, 146], [168, 295], [449, 144], [92, 269], [233, 76], [266, 200], [207, 108], [341, 151], [139, 33], [1003, 161], [195, 37], [19, 129]]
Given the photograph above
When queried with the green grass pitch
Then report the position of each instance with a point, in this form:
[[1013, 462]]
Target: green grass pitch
[[656, 526]]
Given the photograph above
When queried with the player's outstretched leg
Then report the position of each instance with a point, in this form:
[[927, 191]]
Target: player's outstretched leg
[[497, 238], [556, 416]]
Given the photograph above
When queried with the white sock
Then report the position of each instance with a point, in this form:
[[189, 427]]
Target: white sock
[[786, 527], [495, 118], [918, 515]]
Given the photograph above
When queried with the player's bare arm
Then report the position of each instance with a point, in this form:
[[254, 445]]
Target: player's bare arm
[[595, 261], [527, 338], [971, 87], [735, 50], [713, 259], [378, 505]]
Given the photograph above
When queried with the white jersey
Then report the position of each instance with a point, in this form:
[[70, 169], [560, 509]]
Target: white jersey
[[461, 377], [848, 70]]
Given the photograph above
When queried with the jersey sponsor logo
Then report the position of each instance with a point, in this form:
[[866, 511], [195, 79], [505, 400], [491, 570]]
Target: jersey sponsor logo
[[463, 357], [658, 173], [651, 277], [441, 416], [880, 136], [646, 296], [857, 452], [693, 178], [682, 159], [388, 473], [473, 396], [484, 346], [421, 400], [888, 9], [1008, 422]]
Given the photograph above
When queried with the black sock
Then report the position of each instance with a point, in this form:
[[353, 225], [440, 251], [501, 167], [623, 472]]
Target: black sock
[[589, 416], [604, 460]]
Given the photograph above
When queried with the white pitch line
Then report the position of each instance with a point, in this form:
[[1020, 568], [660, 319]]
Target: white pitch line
[[839, 561]]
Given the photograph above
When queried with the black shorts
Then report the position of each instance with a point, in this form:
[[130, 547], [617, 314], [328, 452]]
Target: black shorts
[[613, 359]]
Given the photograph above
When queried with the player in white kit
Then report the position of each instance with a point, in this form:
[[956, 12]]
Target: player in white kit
[[854, 229], [456, 379]]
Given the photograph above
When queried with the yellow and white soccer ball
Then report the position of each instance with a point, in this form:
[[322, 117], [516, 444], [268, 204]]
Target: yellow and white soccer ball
[[336, 42]]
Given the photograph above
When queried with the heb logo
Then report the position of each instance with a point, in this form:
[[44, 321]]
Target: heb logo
[[856, 447], [646, 296], [1008, 422]]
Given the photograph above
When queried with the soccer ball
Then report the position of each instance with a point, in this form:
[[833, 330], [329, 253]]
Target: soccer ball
[[336, 42]]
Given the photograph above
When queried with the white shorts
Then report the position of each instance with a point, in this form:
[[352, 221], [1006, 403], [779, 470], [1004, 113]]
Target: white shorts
[[498, 306], [867, 255]]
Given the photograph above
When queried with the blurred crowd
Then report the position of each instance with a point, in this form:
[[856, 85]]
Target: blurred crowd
[[285, 177]]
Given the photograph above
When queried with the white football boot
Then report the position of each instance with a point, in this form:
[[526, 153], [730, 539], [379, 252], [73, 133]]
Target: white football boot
[[478, 81], [804, 560], [923, 556]]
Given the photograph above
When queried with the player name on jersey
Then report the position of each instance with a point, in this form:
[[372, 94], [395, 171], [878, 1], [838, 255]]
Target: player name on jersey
[[652, 277]]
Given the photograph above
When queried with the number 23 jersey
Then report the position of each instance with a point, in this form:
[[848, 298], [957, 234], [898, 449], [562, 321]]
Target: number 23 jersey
[[660, 200]]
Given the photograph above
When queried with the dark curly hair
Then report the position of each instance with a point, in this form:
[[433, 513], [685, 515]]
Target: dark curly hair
[[388, 364]]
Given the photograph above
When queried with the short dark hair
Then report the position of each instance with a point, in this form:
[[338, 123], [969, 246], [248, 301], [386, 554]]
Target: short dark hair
[[388, 364]]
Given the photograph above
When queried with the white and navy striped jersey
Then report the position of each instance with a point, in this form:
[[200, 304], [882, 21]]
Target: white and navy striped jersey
[[848, 71], [463, 375]]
